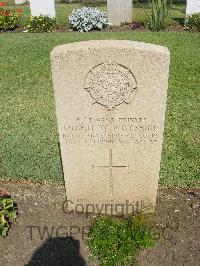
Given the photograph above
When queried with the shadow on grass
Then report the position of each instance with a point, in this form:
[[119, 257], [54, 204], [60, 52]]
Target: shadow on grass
[[58, 252]]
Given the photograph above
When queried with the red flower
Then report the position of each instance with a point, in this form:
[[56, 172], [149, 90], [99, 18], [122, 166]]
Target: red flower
[[6, 13], [19, 10], [2, 4], [3, 193]]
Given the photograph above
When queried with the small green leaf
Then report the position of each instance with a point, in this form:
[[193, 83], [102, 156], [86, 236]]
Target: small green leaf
[[8, 215]]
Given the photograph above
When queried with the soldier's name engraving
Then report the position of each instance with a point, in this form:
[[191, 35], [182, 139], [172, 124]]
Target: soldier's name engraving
[[102, 130]]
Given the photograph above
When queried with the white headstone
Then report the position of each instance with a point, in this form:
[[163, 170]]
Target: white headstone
[[110, 101], [20, 2], [120, 11], [193, 6], [43, 7]]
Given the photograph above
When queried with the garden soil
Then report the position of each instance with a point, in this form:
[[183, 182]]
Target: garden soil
[[46, 235]]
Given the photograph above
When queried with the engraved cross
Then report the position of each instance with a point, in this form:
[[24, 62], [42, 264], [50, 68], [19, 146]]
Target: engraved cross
[[110, 166]]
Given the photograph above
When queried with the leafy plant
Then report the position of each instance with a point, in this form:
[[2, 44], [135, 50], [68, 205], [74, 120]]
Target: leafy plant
[[9, 19], [8, 214], [117, 241], [41, 24], [192, 23], [159, 10], [88, 18]]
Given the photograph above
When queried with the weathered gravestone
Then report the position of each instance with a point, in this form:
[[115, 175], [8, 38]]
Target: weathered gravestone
[[43, 7], [110, 104], [119, 11], [192, 7]]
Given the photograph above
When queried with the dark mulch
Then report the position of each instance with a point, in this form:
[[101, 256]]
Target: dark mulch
[[122, 28], [45, 235]]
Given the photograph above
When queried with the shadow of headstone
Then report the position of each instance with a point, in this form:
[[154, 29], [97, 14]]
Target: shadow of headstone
[[58, 252]]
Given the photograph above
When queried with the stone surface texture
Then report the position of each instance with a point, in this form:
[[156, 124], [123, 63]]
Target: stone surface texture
[[120, 11], [110, 103], [44, 7], [192, 7]]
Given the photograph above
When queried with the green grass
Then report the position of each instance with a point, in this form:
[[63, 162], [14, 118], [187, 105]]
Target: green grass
[[29, 138], [115, 241], [64, 10]]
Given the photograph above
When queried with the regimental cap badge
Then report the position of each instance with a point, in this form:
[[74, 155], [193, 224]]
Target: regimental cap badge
[[110, 85]]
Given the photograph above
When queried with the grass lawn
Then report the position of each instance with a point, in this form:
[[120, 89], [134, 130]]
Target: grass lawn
[[29, 138], [64, 10]]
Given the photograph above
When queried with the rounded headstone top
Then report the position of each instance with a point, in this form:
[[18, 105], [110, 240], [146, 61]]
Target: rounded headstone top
[[118, 44]]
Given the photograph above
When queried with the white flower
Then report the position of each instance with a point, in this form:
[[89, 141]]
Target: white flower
[[88, 18]]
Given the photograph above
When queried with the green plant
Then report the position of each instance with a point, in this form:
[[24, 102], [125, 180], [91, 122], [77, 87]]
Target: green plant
[[41, 24], [116, 241], [192, 23], [159, 10], [8, 215], [9, 19]]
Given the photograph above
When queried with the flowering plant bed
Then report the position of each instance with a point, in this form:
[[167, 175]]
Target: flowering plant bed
[[9, 19], [41, 24], [193, 23]]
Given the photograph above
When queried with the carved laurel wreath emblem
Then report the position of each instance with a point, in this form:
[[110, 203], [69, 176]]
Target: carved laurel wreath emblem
[[110, 85]]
